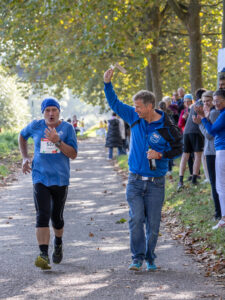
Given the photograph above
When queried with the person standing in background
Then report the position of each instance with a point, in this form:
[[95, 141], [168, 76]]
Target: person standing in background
[[209, 148], [217, 129], [113, 137], [81, 126]]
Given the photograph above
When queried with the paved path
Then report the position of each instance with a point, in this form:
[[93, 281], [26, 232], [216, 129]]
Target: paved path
[[96, 253]]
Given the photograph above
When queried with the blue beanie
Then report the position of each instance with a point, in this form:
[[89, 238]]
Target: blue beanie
[[49, 102], [188, 96]]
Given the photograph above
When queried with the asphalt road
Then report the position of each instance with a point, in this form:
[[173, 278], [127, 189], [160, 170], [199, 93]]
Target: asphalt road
[[96, 247]]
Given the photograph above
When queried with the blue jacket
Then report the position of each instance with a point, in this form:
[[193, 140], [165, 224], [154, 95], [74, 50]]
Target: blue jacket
[[143, 136], [217, 129]]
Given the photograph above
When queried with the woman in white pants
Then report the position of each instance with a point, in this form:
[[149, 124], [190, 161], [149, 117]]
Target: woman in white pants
[[217, 129]]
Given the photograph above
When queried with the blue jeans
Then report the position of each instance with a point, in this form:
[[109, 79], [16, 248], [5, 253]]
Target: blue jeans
[[145, 199], [119, 151]]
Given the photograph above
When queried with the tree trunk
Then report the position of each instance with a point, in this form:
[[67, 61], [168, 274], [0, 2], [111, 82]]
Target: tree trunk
[[155, 74], [223, 26], [191, 19], [148, 78], [153, 61], [193, 27]]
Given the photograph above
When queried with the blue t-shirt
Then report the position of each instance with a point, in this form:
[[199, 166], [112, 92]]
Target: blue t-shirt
[[217, 129], [50, 169]]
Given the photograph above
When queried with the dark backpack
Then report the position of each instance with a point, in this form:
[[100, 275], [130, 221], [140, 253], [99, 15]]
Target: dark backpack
[[172, 134]]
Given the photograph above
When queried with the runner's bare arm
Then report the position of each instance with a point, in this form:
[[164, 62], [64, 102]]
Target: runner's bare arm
[[24, 152]]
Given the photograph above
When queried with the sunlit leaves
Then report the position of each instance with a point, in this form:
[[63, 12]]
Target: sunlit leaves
[[13, 105], [72, 43]]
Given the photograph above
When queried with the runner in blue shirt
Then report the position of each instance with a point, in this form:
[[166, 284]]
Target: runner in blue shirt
[[54, 144]]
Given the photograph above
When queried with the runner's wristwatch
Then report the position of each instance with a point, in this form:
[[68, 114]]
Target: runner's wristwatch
[[58, 143]]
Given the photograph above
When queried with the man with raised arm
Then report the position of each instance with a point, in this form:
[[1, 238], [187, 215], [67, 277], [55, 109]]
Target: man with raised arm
[[54, 144], [150, 149]]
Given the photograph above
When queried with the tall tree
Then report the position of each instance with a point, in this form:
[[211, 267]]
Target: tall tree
[[189, 14], [223, 26]]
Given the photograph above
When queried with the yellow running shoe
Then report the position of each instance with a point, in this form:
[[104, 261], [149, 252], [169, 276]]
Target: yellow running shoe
[[43, 262]]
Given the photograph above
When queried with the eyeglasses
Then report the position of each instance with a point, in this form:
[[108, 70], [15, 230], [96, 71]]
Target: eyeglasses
[[217, 101]]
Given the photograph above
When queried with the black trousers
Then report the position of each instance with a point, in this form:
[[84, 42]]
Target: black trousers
[[210, 160], [49, 203]]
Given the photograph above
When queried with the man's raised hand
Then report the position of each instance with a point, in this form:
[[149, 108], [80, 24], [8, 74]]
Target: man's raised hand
[[108, 76], [52, 135]]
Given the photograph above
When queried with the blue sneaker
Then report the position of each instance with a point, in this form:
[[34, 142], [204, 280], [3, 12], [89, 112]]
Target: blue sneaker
[[135, 266], [151, 266]]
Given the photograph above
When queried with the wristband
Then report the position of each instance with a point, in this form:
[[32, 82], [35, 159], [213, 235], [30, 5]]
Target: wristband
[[58, 143]]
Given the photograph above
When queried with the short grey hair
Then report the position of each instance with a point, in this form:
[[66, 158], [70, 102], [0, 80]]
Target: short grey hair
[[208, 94], [167, 100], [147, 97]]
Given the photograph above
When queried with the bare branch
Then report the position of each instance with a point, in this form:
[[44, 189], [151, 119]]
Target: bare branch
[[178, 10]]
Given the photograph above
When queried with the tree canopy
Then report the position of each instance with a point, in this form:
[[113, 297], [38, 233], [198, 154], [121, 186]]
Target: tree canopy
[[70, 44]]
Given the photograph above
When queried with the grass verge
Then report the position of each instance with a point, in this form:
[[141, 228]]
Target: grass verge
[[91, 132], [10, 158]]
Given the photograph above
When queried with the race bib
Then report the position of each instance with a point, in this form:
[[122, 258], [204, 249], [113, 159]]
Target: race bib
[[48, 147]]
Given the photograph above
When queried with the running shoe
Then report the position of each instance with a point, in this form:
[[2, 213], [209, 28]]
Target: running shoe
[[135, 266], [180, 186], [151, 266], [220, 224], [57, 254], [43, 262]]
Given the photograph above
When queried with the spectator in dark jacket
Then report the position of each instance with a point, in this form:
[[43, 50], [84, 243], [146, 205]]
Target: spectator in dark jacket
[[113, 137]]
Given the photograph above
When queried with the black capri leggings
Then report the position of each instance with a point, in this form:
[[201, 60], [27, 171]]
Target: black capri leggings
[[49, 203]]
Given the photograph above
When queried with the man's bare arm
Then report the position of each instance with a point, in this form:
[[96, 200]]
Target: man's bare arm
[[24, 152]]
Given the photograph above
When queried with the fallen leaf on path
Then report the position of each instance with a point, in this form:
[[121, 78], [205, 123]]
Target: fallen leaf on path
[[121, 221]]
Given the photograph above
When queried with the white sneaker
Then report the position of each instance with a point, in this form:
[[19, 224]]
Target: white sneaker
[[205, 181], [220, 224]]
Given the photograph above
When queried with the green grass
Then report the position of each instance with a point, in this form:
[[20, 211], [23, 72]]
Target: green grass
[[91, 132], [4, 171], [9, 152], [122, 162], [8, 142], [193, 208]]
